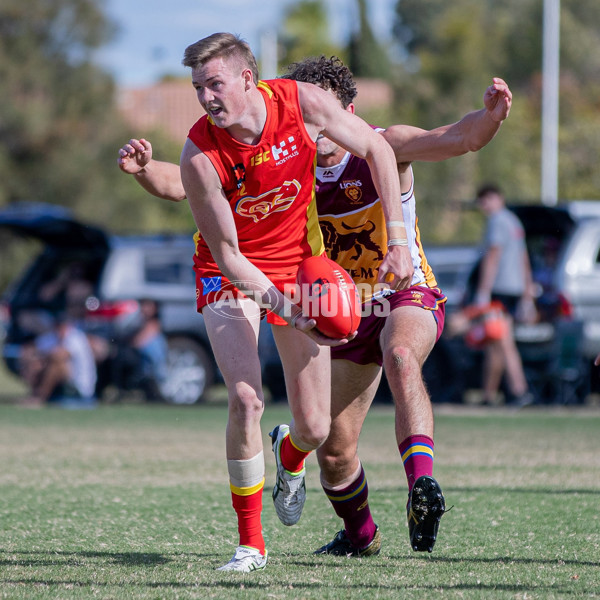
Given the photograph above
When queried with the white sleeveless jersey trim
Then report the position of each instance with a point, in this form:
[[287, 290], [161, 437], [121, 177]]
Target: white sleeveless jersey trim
[[326, 174], [409, 214]]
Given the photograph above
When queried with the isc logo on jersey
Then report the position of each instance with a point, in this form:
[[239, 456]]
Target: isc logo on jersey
[[277, 199], [281, 152]]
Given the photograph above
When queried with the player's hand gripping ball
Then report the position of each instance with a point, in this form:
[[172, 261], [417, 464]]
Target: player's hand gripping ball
[[329, 296]]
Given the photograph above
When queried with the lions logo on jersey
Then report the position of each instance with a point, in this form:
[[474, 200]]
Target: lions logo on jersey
[[352, 190]]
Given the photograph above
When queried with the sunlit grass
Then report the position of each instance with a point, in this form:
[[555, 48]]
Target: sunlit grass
[[133, 502]]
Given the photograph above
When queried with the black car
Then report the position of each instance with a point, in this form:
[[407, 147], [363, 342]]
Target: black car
[[116, 273]]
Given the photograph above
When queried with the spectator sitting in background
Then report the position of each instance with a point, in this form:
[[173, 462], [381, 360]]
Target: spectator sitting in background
[[151, 344], [140, 359], [69, 291], [66, 291], [70, 288], [59, 367]]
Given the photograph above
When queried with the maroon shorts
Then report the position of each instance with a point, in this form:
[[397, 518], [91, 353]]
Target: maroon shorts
[[365, 349]]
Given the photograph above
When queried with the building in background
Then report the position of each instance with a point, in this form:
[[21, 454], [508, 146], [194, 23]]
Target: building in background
[[173, 107]]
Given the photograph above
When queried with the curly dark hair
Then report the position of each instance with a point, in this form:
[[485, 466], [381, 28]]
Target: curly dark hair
[[328, 73]]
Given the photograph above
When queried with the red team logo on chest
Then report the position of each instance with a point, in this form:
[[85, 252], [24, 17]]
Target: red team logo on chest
[[276, 200]]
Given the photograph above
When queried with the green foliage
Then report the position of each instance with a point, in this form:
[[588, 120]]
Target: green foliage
[[366, 56], [452, 50], [54, 96], [305, 32], [59, 125]]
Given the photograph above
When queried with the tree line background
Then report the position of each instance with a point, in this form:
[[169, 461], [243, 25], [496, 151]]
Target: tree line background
[[60, 129]]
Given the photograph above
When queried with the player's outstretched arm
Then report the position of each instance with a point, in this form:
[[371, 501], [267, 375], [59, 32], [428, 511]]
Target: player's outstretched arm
[[159, 178], [471, 133]]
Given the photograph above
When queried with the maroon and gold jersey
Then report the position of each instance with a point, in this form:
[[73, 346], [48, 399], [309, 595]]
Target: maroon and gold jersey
[[269, 185], [353, 224]]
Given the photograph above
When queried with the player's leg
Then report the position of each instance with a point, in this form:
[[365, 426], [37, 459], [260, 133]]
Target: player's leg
[[233, 333], [307, 372], [515, 374], [353, 388], [56, 372], [493, 369], [407, 339]]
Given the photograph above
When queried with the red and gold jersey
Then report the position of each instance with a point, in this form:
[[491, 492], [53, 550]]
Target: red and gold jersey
[[353, 224], [270, 185]]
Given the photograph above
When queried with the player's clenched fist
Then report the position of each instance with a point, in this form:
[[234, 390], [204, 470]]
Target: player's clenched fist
[[134, 156]]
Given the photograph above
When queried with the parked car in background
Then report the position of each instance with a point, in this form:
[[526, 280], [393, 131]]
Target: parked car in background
[[564, 246], [559, 348], [121, 271]]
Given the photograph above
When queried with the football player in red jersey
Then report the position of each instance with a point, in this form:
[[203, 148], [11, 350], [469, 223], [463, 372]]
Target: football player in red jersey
[[247, 169], [399, 338]]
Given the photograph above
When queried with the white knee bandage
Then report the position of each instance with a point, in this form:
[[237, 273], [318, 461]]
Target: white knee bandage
[[247, 473]]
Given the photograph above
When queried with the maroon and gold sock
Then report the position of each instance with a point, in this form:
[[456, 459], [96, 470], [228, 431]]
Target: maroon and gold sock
[[292, 457], [351, 504], [417, 455]]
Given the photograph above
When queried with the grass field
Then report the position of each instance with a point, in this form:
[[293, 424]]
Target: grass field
[[132, 502]]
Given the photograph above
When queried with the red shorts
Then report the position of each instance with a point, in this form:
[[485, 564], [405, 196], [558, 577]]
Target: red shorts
[[365, 349], [217, 288]]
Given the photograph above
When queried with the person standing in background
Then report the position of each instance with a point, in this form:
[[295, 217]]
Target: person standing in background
[[505, 277]]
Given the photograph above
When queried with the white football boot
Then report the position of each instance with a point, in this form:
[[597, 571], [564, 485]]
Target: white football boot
[[289, 492], [246, 560]]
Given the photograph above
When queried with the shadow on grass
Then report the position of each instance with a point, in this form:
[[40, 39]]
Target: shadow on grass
[[52, 558], [260, 581], [340, 561], [485, 489], [246, 579], [531, 490]]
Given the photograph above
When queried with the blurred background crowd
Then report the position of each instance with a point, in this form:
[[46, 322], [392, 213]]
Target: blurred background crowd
[[84, 246]]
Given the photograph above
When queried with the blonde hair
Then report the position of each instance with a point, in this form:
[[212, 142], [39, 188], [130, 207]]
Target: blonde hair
[[221, 45]]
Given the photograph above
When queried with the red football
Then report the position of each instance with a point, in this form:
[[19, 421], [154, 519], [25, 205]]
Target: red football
[[328, 295]]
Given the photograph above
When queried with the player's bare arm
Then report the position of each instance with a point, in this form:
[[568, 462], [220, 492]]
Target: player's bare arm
[[471, 133], [323, 114], [212, 215], [487, 275], [159, 178]]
